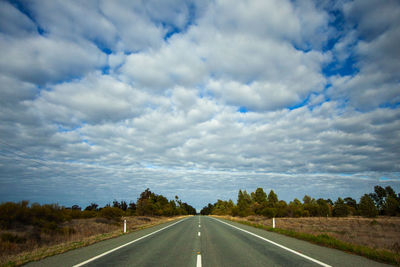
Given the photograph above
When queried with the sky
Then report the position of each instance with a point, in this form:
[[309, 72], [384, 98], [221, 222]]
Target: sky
[[100, 100]]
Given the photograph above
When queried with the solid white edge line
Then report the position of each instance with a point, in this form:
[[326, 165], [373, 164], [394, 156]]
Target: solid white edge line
[[198, 264], [276, 244], [127, 244]]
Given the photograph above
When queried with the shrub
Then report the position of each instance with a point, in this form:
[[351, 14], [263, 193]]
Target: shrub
[[8, 237], [111, 213]]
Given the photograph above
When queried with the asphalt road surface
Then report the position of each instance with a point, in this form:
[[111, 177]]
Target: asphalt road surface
[[204, 241]]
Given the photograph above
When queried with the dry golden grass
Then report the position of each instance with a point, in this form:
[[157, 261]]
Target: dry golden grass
[[77, 233], [377, 233]]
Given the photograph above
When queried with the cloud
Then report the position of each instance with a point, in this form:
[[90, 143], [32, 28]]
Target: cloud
[[94, 99], [14, 22], [40, 59], [100, 100], [377, 31], [175, 63]]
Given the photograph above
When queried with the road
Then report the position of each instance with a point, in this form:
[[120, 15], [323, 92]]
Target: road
[[204, 241]]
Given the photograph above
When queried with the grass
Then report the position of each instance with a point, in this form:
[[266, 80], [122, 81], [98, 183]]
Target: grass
[[326, 239], [83, 232]]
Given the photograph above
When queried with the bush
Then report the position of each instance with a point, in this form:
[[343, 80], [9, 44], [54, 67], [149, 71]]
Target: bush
[[110, 213], [8, 237]]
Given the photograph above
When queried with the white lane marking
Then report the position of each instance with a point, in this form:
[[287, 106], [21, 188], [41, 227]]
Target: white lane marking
[[198, 234], [198, 264], [199, 225], [276, 244], [112, 250]]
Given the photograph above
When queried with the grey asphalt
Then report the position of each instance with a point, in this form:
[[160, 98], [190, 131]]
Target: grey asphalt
[[219, 244]]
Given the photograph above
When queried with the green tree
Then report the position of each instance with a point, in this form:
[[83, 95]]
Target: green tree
[[295, 208], [379, 196], [311, 206], [207, 210], [223, 207], [92, 207], [340, 209], [259, 196], [390, 192], [144, 204], [352, 204], [392, 206], [323, 207], [272, 199], [367, 207], [306, 199], [243, 203], [281, 209]]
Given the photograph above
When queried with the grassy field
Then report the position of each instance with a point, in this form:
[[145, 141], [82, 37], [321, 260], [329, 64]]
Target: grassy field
[[24, 244], [377, 238]]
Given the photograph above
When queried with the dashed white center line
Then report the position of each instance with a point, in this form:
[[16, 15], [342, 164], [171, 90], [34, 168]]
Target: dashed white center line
[[199, 225], [199, 234], [198, 264]]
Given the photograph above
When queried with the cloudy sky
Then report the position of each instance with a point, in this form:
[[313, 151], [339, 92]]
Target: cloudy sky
[[100, 100]]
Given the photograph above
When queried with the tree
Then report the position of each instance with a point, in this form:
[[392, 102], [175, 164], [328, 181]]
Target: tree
[[295, 208], [115, 204], [329, 201], [123, 205], [323, 207], [352, 204], [76, 207], [223, 207], [379, 197], [272, 199], [281, 209], [145, 203], [259, 196], [92, 207], [392, 206], [243, 203], [310, 206], [132, 206], [207, 210], [340, 209], [306, 199], [367, 207], [390, 192]]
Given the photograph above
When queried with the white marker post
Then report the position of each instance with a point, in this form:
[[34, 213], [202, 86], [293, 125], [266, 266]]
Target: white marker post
[[124, 226], [273, 222]]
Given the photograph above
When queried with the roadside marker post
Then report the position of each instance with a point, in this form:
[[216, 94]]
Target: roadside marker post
[[273, 222], [124, 226]]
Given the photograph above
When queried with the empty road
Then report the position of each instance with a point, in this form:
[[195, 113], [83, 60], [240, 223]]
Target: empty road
[[204, 241]]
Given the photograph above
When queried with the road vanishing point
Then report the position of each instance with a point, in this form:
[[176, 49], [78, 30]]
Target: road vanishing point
[[204, 241]]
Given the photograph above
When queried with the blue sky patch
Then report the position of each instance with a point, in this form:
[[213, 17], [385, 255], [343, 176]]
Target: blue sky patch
[[243, 110]]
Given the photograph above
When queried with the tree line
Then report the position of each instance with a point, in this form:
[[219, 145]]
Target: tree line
[[48, 217], [383, 201]]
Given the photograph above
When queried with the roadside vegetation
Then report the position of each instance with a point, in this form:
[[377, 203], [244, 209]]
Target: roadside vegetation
[[383, 201], [33, 231], [370, 227]]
